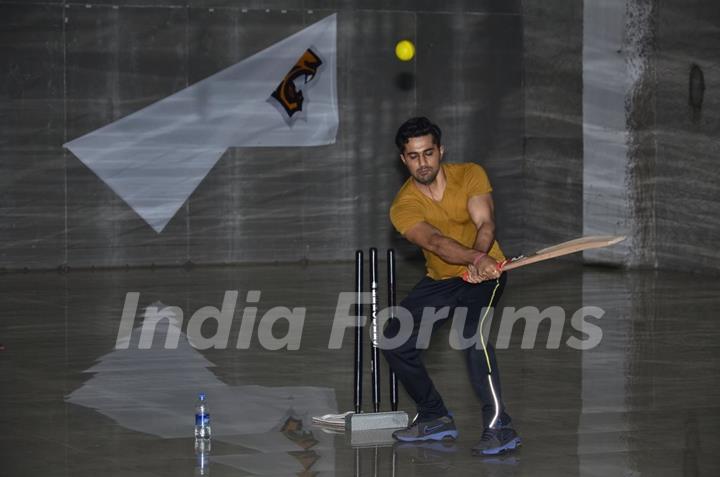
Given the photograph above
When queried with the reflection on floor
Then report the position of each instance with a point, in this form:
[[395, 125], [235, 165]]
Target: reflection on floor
[[642, 402]]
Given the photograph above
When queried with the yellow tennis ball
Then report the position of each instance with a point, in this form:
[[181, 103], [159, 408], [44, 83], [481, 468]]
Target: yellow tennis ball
[[405, 50]]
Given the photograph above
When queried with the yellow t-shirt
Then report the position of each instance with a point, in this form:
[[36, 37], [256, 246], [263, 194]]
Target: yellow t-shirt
[[450, 215]]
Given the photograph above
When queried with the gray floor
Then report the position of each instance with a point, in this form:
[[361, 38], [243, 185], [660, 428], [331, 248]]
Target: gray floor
[[645, 401]]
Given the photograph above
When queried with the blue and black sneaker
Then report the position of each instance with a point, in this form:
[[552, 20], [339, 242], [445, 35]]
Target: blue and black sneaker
[[432, 430], [497, 440]]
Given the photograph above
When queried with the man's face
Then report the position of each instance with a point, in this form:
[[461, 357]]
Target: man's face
[[422, 158]]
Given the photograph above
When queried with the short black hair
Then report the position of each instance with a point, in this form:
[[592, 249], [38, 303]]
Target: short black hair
[[416, 127]]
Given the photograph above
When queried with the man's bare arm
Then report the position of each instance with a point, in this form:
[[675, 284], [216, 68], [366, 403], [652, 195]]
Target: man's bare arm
[[482, 212], [431, 239]]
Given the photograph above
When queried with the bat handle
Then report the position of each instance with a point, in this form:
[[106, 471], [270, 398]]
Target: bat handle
[[499, 265]]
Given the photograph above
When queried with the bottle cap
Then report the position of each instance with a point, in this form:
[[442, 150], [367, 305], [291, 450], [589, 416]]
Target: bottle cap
[[201, 396]]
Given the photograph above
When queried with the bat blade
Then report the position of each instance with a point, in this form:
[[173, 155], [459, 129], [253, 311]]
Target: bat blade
[[565, 248]]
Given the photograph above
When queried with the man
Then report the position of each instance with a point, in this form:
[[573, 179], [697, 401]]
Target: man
[[447, 210]]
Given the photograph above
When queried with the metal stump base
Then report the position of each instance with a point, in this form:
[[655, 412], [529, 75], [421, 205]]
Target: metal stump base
[[376, 420]]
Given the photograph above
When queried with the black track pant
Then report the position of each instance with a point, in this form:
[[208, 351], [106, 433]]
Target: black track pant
[[406, 361]]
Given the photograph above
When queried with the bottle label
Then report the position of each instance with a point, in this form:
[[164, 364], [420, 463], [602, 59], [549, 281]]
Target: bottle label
[[202, 420]]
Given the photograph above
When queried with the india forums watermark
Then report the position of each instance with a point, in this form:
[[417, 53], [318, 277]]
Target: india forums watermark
[[527, 320]]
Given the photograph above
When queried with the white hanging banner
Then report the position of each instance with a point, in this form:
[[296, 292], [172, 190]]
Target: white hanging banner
[[283, 96]]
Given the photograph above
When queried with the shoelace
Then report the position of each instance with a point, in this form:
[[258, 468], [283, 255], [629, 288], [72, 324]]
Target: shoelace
[[489, 434]]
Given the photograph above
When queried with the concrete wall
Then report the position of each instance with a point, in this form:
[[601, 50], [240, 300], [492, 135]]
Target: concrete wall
[[612, 142], [70, 68], [553, 151], [650, 168], [687, 195], [514, 89]]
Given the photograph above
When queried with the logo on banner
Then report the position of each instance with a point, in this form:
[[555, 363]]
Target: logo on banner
[[287, 94]]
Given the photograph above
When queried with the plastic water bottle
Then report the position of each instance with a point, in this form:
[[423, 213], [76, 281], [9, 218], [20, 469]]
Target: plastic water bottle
[[202, 457], [202, 418]]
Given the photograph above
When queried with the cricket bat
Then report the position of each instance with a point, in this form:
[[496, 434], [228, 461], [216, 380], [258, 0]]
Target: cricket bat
[[565, 248]]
